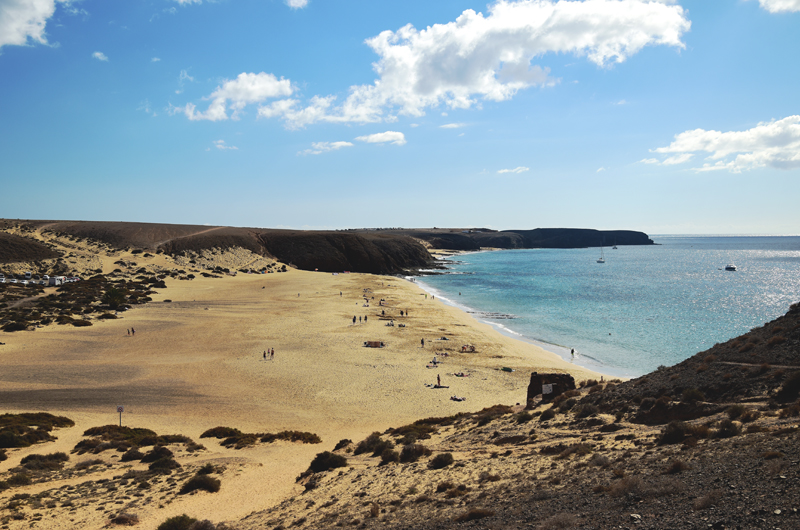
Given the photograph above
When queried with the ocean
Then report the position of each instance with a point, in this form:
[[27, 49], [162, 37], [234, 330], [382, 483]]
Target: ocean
[[646, 306]]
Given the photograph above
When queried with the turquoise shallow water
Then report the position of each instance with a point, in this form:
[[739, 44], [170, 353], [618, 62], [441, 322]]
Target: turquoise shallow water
[[646, 306]]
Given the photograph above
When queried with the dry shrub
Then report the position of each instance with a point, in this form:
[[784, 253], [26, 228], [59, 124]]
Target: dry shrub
[[86, 464], [565, 396], [707, 501], [595, 389], [374, 510], [374, 444], [727, 429], [770, 455], [444, 486], [560, 521], [790, 411], [626, 486], [388, 456], [441, 460], [50, 462], [325, 461], [586, 410], [600, 460], [125, 519], [485, 476], [587, 383], [702, 368], [413, 452], [692, 395], [548, 414], [790, 390], [576, 449], [777, 339], [710, 358], [676, 466], [678, 431], [490, 414], [179, 522], [735, 411], [200, 482], [749, 416], [510, 439], [474, 514]]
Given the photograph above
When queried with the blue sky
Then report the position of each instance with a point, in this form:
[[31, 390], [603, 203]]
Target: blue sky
[[666, 117]]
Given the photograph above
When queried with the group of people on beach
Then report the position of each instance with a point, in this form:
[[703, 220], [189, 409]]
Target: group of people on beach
[[269, 354], [359, 319], [131, 332]]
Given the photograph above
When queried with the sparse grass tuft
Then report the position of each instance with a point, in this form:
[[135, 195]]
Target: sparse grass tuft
[[675, 467], [49, 462], [413, 452], [707, 501]]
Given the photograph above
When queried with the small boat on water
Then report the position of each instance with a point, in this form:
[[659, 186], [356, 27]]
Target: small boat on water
[[730, 267], [602, 258]]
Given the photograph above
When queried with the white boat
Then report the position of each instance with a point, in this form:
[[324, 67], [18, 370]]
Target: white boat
[[602, 258], [730, 267]]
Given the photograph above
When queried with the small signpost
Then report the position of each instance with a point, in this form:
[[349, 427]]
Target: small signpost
[[547, 389], [120, 409]]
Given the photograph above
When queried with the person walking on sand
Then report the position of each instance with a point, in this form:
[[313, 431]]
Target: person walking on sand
[[133, 331], [438, 380], [272, 354], [359, 320], [422, 342], [365, 319], [129, 332], [354, 320], [265, 355]]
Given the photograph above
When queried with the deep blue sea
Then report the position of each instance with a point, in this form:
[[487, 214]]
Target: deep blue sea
[[644, 307]]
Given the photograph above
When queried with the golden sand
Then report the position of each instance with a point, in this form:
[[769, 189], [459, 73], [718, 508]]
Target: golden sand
[[197, 362]]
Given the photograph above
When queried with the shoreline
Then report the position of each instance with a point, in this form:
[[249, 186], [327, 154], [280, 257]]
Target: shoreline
[[562, 352]]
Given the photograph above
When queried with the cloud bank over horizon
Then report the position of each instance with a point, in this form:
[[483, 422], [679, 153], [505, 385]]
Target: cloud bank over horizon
[[773, 144]]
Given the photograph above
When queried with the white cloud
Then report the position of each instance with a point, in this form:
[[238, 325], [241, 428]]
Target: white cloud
[[489, 57], [100, 56], [769, 144], [317, 148], [414, 125], [621, 102], [220, 144], [780, 6], [189, 2], [182, 78], [397, 138], [155, 60], [520, 169], [145, 106], [236, 94], [23, 21], [600, 170], [297, 4], [452, 125]]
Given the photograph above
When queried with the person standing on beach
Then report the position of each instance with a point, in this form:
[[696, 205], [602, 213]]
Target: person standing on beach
[[265, 355], [359, 320], [129, 332], [272, 354], [438, 380], [133, 331], [573, 352], [365, 319], [422, 342], [354, 320]]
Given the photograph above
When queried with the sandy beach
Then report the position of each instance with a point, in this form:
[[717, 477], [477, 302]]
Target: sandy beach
[[196, 362]]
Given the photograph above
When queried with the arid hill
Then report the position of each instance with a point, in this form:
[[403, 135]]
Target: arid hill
[[327, 251], [14, 248], [477, 238]]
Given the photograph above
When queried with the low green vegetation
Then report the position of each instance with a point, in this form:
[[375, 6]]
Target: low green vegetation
[[26, 429], [237, 439]]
